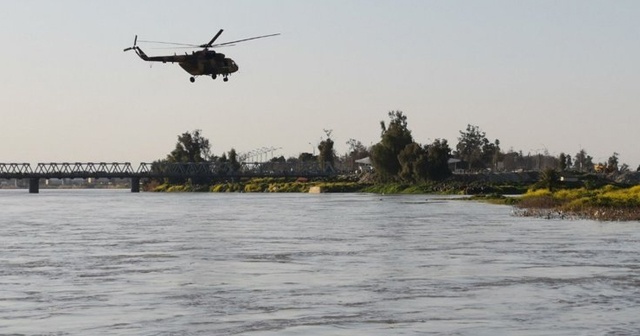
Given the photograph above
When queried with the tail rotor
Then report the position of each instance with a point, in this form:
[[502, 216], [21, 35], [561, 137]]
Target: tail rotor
[[135, 41]]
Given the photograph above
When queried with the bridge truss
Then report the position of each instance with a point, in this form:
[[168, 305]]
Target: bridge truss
[[203, 170]]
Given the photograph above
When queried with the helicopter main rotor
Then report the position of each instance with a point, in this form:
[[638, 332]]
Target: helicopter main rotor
[[208, 45]]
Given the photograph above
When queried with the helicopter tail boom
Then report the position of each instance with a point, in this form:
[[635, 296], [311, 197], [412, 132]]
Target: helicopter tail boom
[[137, 49], [141, 54]]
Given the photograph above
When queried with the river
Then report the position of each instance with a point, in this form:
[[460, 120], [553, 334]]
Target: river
[[111, 262]]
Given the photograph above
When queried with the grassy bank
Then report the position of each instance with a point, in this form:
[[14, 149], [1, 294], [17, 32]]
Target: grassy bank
[[448, 188], [281, 185], [265, 185], [606, 203], [345, 185]]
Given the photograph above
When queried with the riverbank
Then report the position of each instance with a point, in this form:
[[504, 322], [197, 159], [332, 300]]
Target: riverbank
[[608, 203], [259, 185], [277, 185]]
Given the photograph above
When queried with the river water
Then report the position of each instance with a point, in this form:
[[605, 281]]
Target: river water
[[110, 262]]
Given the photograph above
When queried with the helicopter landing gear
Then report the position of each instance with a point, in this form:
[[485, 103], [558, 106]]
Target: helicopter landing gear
[[193, 79]]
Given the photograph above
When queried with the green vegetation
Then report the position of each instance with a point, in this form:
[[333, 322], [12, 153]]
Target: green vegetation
[[605, 203], [280, 185], [397, 158], [552, 186], [475, 149], [447, 187], [187, 187], [327, 154]]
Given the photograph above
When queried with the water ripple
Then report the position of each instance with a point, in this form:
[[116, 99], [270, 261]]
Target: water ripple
[[111, 263]]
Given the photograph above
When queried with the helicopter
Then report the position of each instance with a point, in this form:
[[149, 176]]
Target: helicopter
[[204, 62]]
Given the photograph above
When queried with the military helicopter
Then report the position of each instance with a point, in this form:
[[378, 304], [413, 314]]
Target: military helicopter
[[203, 62]]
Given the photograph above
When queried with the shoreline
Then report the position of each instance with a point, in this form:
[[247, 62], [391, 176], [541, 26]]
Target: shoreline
[[608, 203]]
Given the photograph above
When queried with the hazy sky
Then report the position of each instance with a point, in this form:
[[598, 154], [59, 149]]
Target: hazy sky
[[554, 75]]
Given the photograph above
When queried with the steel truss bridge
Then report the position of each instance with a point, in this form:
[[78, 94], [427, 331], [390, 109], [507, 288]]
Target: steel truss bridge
[[190, 170]]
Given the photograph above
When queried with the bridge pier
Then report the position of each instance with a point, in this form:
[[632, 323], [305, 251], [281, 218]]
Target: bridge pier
[[34, 185], [135, 184]]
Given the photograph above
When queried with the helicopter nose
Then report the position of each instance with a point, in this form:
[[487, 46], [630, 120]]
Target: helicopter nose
[[230, 65]]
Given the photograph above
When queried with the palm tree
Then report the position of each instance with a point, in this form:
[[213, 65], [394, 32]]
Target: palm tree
[[549, 178]]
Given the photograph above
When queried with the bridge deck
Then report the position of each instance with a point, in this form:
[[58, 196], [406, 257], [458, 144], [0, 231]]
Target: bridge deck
[[162, 170], [201, 170]]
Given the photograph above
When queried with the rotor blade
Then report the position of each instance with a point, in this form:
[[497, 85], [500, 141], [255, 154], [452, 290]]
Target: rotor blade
[[176, 47], [243, 40], [212, 40], [135, 40], [172, 43]]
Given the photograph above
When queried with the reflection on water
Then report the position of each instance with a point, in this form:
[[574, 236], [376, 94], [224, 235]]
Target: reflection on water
[[79, 262]]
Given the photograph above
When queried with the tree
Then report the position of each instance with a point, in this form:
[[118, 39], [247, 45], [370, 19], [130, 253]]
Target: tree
[[306, 157], [325, 150], [191, 147], [624, 168], [222, 168], [490, 153], [549, 178], [469, 147], [583, 162], [438, 154], [563, 161], [612, 163], [233, 160], [474, 148], [413, 163], [384, 154], [513, 160], [357, 151]]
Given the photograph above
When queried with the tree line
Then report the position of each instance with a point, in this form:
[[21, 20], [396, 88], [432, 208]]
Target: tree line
[[397, 157]]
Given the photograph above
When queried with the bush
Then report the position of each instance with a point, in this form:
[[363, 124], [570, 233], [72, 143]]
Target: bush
[[255, 187], [606, 203]]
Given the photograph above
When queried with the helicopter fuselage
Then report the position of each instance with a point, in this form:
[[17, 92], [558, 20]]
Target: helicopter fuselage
[[198, 63], [207, 62]]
